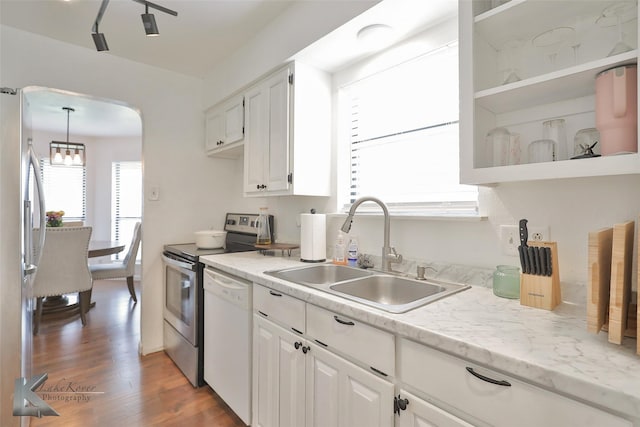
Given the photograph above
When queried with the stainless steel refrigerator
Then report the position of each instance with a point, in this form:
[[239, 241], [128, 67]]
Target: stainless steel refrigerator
[[21, 209]]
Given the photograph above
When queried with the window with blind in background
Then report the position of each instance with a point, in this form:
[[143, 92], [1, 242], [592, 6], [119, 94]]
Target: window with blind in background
[[404, 136], [126, 202], [65, 189]]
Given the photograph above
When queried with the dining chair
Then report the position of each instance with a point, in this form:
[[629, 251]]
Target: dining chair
[[124, 268], [63, 268]]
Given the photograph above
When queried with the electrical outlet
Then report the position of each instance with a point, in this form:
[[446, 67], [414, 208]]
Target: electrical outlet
[[539, 234], [510, 237]]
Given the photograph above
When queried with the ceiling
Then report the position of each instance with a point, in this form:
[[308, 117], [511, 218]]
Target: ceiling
[[204, 32], [217, 27]]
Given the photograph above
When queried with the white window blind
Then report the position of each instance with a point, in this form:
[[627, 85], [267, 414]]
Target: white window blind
[[404, 136], [126, 202], [65, 189]]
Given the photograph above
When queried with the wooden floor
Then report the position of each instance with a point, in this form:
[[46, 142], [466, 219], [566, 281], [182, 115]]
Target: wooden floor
[[97, 378]]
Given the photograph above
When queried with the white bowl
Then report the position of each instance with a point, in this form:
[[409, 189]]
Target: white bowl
[[210, 239]]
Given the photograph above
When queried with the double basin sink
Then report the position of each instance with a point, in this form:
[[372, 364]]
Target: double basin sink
[[384, 291]]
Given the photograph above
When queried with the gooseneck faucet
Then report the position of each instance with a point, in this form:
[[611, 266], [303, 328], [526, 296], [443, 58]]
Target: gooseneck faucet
[[389, 254]]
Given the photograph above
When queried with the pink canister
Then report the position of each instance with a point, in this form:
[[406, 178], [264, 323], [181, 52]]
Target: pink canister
[[617, 110]]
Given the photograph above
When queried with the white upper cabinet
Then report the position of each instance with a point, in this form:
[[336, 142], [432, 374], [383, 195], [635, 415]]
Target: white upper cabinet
[[225, 128], [526, 62], [288, 140]]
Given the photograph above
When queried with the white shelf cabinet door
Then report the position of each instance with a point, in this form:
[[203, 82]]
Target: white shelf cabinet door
[[225, 128], [266, 159], [420, 413], [256, 140], [278, 168], [214, 130], [278, 376], [342, 394], [546, 90], [234, 120]]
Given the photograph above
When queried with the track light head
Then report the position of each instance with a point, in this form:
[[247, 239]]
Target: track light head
[[100, 42], [149, 22], [98, 37]]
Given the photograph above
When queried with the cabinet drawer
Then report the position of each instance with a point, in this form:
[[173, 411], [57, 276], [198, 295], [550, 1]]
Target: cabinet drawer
[[364, 343], [452, 381], [279, 307]]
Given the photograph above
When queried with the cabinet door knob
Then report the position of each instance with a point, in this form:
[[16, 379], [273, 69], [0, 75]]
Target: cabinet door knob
[[399, 404], [306, 349], [297, 345]]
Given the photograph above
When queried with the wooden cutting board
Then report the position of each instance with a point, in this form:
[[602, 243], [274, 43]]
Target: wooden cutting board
[[621, 261], [599, 278]]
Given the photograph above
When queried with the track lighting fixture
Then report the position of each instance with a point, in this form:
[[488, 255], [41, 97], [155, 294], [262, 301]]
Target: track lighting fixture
[[98, 37], [149, 22]]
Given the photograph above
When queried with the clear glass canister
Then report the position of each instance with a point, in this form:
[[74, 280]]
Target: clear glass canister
[[506, 281], [263, 229]]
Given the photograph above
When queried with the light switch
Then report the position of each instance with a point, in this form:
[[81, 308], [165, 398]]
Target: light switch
[[154, 194]]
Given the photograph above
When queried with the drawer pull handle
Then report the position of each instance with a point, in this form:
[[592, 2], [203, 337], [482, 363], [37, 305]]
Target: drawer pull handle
[[343, 322], [487, 379], [275, 294], [377, 371], [264, 314], [321, 343], [296, 331]]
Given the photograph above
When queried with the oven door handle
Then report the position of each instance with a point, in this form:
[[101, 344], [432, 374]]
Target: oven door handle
[[179, 264]]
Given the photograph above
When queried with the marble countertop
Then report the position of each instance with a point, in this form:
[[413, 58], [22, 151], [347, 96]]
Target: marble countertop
[[549, 348]]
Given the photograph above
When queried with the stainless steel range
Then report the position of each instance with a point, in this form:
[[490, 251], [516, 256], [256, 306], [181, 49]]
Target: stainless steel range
[[184, 293]]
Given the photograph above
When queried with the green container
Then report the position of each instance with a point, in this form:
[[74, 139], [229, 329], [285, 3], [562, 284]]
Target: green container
[[506, 281]]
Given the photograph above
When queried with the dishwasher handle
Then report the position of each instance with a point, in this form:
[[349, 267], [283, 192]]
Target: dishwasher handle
[[227, 288]]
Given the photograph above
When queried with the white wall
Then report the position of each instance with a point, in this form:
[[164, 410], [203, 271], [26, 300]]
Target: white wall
[[172, 148]]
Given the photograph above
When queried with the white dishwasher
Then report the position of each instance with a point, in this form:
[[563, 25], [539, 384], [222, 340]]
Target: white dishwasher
[[227, 339]]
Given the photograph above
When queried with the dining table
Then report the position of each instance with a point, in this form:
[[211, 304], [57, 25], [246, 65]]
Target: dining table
[[99, 248], [68, 304]]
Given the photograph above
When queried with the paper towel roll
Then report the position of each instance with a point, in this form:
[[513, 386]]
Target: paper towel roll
[[313, 238]]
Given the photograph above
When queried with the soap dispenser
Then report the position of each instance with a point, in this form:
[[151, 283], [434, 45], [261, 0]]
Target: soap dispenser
[[339, 250]]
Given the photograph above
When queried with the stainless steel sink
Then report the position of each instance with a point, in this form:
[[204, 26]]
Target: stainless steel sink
[[388, 289], [395, 294], [386, 292], [319, 274]]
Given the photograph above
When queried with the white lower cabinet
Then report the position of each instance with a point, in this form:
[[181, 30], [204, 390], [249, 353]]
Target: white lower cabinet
[[341, 394], [297, 383], [475, 392], [278, 376], [420, 413]]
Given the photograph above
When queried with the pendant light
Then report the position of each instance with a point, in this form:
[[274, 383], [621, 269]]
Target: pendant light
[[69, 159]]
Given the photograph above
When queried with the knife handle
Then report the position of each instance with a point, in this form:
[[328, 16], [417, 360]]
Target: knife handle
[[524, 233]]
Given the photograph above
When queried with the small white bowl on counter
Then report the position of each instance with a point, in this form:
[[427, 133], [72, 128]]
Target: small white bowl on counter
[[210, 239]]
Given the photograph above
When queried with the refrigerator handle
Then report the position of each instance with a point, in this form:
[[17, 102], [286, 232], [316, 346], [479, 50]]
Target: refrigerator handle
[[35, 164]]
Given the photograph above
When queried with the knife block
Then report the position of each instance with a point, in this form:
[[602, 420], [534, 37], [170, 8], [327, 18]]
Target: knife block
[[542, 291]]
